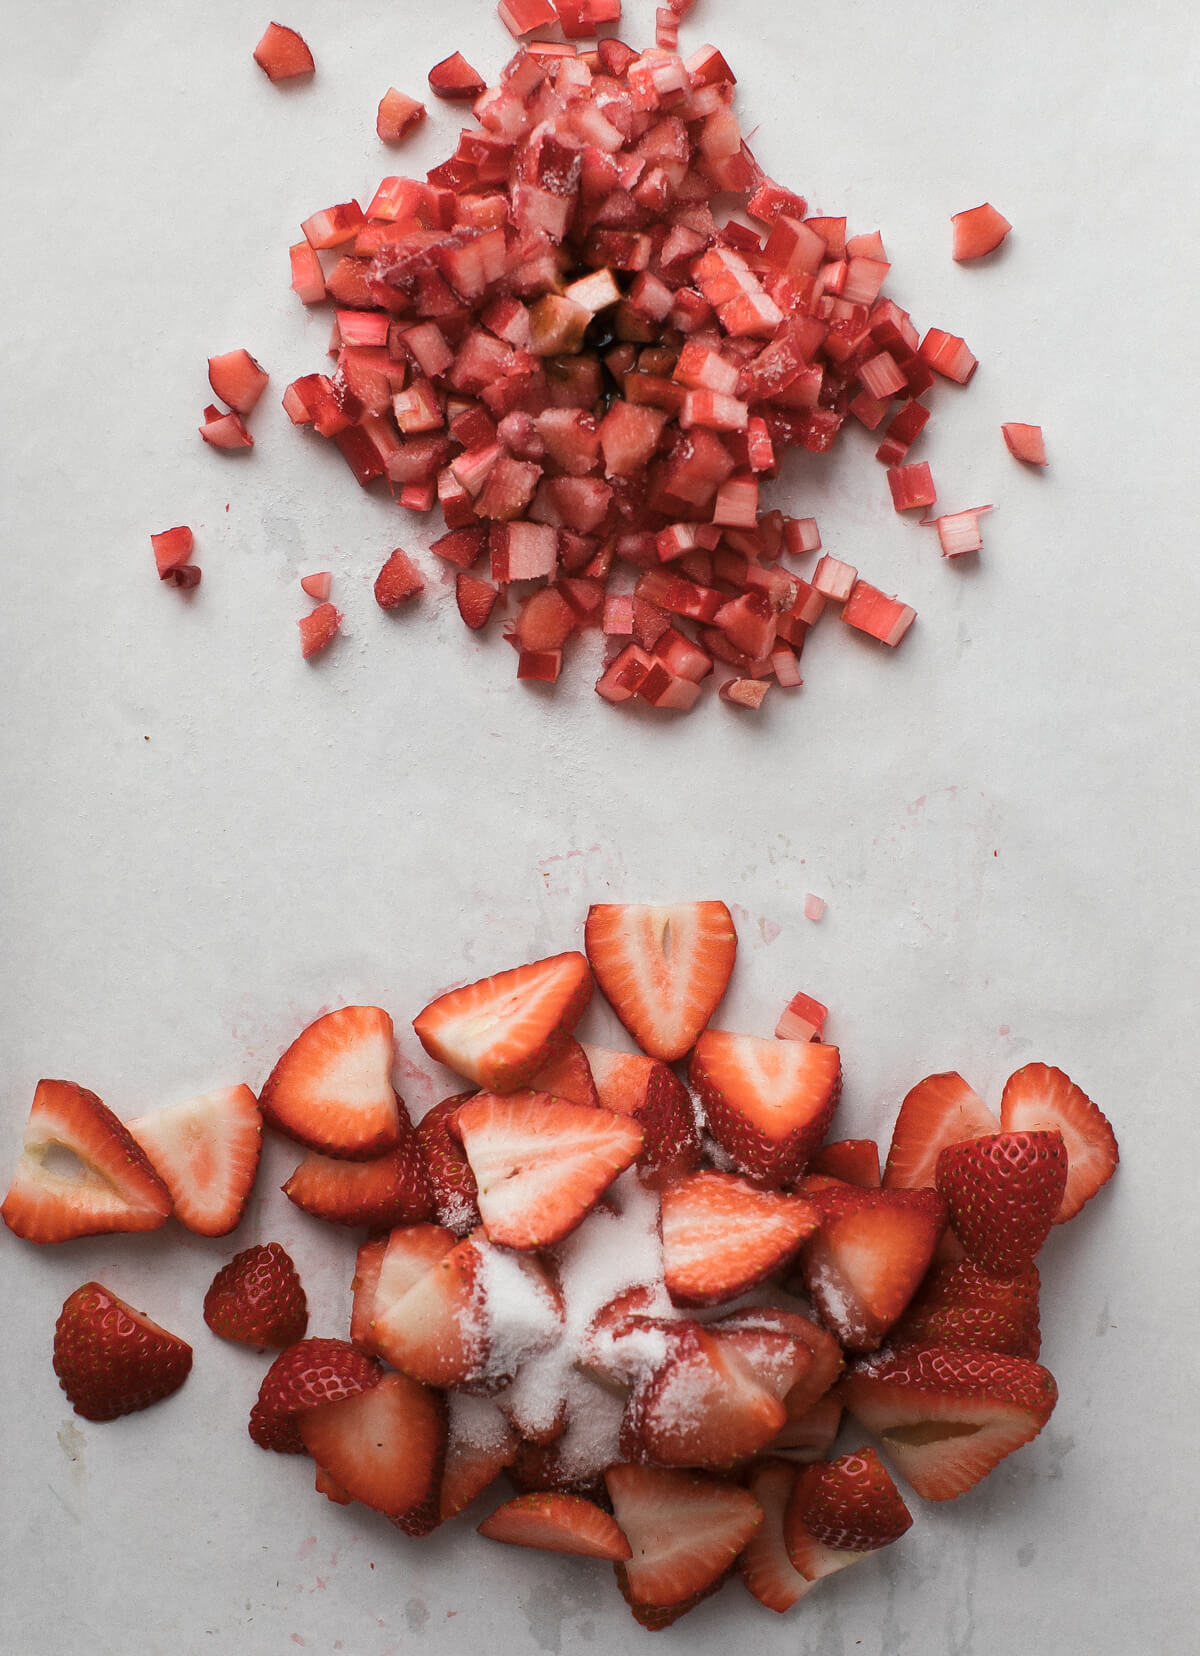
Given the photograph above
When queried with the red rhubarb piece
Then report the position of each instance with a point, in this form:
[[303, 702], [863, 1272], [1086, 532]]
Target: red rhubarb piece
[[453, 77], [398, 115], [282, 54], [1025, 442], [873, 612], [978, 231]]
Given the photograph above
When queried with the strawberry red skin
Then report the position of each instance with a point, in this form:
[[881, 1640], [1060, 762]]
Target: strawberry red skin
[[304, 1376], [856, 1161], [110, 1359], [257, 1299], [398, 581], [1038, 1096], [652, 1094], [850, 1504], [1003, 1192], [557, 1523], [962, 1307], [391, 1190], [450, 1175], [764, 1565], [772, 1147]]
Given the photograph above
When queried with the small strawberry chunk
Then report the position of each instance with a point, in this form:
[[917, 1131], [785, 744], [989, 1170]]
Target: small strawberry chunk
[[854, 1161], [702, 1406], [845, 1508], [768, 1102], [318, 629], [864, 1264], [398, 581], [649, 1091], [978, 231], [317, 586], [282, 54], [112, 1360], [476, 599], [557, 1523], [1003, 1192], [172, 550], [225, 431], [384, 1446], [450, 1175], [721, 1235], [257, 1299], [398, 115], [388, 1190]]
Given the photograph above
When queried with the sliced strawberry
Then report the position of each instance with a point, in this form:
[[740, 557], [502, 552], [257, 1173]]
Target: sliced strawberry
[[307, 1374], [1003, 1192], [332, 1088], [768, 1102], [764, 1565], [257, 1299], [540, 1163], [112, 1360], [864, 1264], [568, 1075], [557, 1523], [946, 1418], [386, 1268], [206, 1152], [938, 1111], [390, 1190], [962, 1306], [1039, 1097], [663, 968], [809, 1435], [501, 1031], [841, 1510], [704, 1406], [854, 1161], [237, 379], [814, 1378], [106, 1183], [325, 1485], [282, 53], [384, 1447], [624, 1339], [476, 599], [721, 1235], [649, 1091], [777, 1345], [398, 581], [449, 1170], [478, 1450], [684, 1529], [437, 1331]]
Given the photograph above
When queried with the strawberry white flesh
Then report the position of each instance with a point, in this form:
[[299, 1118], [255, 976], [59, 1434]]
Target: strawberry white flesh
[[557, 1523], [1039, 1098], [664, 968], [940, 1110], [722, 1234], [332, 1088], [764, 1564], [206, 1152], [768, 1102], [541, 1163], [81, 1172], [684, 1530], [384, 1447], [500, 1031]]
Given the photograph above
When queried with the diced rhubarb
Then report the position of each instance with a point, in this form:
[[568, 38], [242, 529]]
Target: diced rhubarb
[[787, 673], [542, 665], [873, 612], [398, 115], [834, 579], [902, 431], [172, 550], [454, 78], [308, 278], [744, 692], [333, 226], [911, 485], [814, 906], [1025, 442], [225, 431], [958, 532], [523, 552], [624, 675], [801, 535], [317, 586], [948, 355], [803, 1018], [237, 379], [282, 54], [978, 231], [522, 16], [318, 629]]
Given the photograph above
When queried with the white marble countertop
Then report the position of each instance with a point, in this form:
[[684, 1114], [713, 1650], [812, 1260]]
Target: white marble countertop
[[208, 840]]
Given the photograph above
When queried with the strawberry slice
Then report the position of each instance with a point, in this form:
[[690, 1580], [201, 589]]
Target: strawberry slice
[[306, 1375], [436, 1331], [206, 1152], [649, 1091], [332, 1088], [703, 1407], [814, 1377], [684, 1529], [386, 1268], [481, 1445], [866, 1261], [854, 1161], [557, 1523], [501, 1031], [257, 1299], [940, 1110], [389, 1190], [946, 1418], [961, 1306], [663, 968], [768, 1102], [840, 1511], [541, 1163], [1039, 1097], [384, 1447], [569, 1075], [105, 1183], [1003, 1192], [721, 1235], [809, 1435], [112, 1360], [449, 1171], [764, 1565]]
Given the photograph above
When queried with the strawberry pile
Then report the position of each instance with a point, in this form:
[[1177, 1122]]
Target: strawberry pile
[[646, 1285], [555, 340]]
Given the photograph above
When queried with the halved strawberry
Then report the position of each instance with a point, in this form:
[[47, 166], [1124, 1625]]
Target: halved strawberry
[[384, 1447], [449, 1170], [332, 1088], [841, 1510], [388, 1190], [307, 1374], [946, 1418], [825, 1358], [568, 1075], [764, 1565], [257, 1299], [721, 1235], [777, 1345], [768, 1102], [649, 1091], [112, 1360], [685, 1530], [206, 1152], [501, 1031], [703, 1406], [386, 1268], [557, 1523], [960, 1305], [864, 1264], [810, 1435], [663, 968], [540, 1163], [1039, 1097], [436, 1331], [1003, 1192], [282, 54], [940, 1110], [854, 1161], [81, 1172]]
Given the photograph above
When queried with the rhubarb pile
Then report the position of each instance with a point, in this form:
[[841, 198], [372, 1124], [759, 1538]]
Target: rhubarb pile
[[646, 1285]]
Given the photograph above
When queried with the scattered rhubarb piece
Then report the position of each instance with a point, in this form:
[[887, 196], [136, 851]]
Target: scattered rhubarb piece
[[318, 586], [803, 1018], [874, 613], [814, 906], [282, 54], [453, 77], [172, 552], [958, 532], [1025, 442], [398, 115], [911, 486], [237, 379], [225, 430], [978, 231]]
